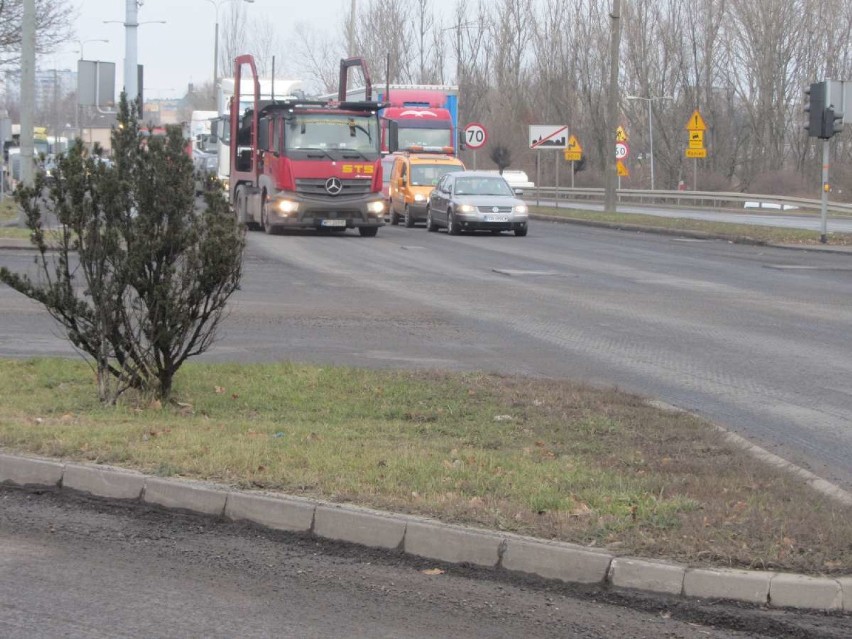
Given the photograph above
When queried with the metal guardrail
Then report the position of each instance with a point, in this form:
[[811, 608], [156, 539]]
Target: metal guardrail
[[710, 199]]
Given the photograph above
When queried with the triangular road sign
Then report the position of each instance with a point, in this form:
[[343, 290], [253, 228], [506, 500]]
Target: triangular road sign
[[696, 122], [574, 145], [620, 134]]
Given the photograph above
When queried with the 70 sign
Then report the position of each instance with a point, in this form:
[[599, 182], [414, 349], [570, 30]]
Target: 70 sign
[[475, 135]]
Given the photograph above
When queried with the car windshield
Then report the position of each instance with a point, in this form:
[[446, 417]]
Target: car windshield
[[429, 174], [482, 186], [427, 138], [331, 131]]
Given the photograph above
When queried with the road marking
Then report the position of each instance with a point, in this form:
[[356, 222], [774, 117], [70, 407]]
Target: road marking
[[518, 272]]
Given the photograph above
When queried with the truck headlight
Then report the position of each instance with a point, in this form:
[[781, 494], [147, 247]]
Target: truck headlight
[[419, 197], [521, 208], [287, 206], [465, 208], [376, 208]]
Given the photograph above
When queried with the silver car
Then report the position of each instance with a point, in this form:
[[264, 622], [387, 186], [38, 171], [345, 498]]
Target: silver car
[[476, 201]]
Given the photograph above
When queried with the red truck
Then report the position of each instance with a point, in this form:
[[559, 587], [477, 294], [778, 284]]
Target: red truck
[[306, 164]]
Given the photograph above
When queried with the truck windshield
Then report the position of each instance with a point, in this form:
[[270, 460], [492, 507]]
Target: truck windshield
[[427, 138], [429, 174], [332, 131]]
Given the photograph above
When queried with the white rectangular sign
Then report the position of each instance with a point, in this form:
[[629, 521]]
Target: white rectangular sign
[[548, 136]]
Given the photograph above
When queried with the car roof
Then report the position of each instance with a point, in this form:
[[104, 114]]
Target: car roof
[[477, 174]]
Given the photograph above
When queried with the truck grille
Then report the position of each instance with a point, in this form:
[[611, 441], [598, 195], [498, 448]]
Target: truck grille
[[316, 187]]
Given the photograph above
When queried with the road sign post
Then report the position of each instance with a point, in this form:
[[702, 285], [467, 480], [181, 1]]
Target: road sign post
[[573, 153], [696, 128]]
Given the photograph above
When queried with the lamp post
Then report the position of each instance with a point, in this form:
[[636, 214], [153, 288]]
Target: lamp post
[[83, 42], [650, 100], [131, 66], [216, 4]]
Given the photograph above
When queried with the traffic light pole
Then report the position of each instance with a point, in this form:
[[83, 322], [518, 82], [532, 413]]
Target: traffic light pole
[[823, 238]]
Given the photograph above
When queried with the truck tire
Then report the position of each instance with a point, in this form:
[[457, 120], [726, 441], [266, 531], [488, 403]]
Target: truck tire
[[368, 231], [264, 217]]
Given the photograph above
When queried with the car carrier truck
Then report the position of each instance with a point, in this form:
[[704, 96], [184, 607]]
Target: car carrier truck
[[297, 163]]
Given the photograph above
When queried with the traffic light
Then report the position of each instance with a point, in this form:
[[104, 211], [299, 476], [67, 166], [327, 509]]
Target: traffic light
[[832, 122], [815, 108]]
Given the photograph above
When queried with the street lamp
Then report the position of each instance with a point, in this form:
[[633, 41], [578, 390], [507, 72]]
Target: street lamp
[[217, 4], [83, 42], [650, 100]]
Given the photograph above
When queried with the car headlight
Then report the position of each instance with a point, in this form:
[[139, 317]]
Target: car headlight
[[465, 208], [521, 208], [287, 206], [419, 197], [376, 208]]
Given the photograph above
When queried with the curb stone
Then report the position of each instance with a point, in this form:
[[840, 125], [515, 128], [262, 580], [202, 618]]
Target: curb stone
[[359, 526], [741, 585], [288, 514], [799, 591], [647, 574], [25, 471], [103, 482], [434, 540]]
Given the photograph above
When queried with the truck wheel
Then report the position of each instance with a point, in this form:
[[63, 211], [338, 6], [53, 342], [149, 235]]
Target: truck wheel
[[430, 224], [452, 226], [368, 231], [264, 217], [409, 218]]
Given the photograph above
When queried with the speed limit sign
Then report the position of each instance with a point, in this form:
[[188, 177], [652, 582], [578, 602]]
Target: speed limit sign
[[621, 150], [475, 136]]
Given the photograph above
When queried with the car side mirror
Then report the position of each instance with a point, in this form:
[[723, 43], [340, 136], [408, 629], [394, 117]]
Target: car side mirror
[[518, 191]]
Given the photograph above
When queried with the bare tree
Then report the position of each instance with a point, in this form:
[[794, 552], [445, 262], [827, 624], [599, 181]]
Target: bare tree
[[53, 26]]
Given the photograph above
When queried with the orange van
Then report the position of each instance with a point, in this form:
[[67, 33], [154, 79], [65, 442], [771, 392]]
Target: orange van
[[413, 177]]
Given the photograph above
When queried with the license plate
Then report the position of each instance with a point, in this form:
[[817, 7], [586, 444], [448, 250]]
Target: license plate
[[496, 218], [333, 223]]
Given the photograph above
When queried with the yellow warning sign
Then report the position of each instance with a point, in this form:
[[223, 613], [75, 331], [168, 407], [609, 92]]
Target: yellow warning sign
[[622, 169], [573, 152], [696, 144], [696, 122], [696, 135], [696, 153], [620, 134]]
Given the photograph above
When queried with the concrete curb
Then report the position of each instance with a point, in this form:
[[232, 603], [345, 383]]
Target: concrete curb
[[434, 540]]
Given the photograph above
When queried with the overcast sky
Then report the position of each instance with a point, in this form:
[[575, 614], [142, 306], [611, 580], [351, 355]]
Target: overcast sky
[[181, 51]]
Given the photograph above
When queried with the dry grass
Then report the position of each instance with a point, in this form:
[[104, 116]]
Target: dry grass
[[552, 459]]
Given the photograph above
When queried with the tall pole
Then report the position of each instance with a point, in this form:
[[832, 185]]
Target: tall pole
[[826, 158], [651, 135], [350, 35], [27, 91], [216, 51], [131, 25], [610, 176]]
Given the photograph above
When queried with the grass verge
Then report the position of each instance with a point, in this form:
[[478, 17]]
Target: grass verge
[[552, 459], [734, 232]]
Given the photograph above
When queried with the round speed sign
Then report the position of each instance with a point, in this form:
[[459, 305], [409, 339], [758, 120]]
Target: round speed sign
[[621, 150], [475, 136]]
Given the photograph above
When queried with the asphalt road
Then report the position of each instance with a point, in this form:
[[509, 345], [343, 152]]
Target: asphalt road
[[88, 570]]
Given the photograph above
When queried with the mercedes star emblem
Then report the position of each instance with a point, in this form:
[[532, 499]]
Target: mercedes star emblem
[[333, 185]]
